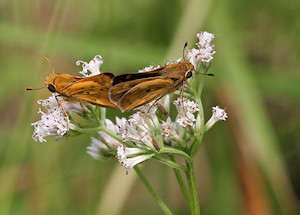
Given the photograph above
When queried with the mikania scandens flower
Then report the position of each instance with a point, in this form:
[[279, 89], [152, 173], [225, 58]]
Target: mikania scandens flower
[[186, 109], [138, 127], [91, 68], [149, 68], [105, 145], [171, 130], [205, 51], [53, 120], [129, 157], [217, 115]]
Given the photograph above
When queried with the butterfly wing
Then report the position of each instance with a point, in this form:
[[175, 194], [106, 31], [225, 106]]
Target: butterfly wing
[[145, 92], [135, 76], [117, 91], [92, 89]]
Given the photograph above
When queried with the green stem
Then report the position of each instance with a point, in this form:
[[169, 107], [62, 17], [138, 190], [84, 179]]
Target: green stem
[[88, 130], [198, 137], [103, 115], [196, 144], [201, 84], [194, 203], [96, 129], [169, 163], [152, 191], [169, 150], [110, 133], [182, 184]]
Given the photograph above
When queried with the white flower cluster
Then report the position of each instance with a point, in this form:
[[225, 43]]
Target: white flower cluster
[[93, 66], [136, 130], [172, 130], [105, 145], [186, 109], [53, 121], [204, 52]]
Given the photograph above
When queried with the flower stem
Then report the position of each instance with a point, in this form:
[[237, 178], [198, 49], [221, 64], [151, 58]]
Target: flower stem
[[194, 201], [201, 84], [103, 115], [169, 163], [196, 144], [169, 150], [152, 191], [110, 133], [181, 183], [88, 130], [198, 137]]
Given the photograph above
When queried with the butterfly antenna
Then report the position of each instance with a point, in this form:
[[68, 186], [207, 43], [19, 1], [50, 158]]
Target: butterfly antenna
[[183, 53], [208, 74], [35, 88], [50, 63]]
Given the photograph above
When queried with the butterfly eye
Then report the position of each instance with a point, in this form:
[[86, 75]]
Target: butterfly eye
[[52, 88], [188, 74]]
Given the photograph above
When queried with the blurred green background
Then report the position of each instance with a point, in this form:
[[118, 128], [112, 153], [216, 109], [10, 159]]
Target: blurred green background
[[249, 164]]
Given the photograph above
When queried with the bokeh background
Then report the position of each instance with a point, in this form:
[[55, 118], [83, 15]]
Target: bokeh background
[[249, 164]]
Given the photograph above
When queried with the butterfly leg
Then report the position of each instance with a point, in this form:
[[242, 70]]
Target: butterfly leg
[[60, 104], [161, 108], [82, 108], [181, 94]]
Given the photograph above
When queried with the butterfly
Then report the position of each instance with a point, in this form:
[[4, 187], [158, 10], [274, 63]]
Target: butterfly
[[130, 91], [92, 89]]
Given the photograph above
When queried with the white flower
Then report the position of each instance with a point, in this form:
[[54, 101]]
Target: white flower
[[93, 66], [149, 68], [185, 118], [186, 109], [104, 146], [184, 104], [96, 147], [175, 61], [165, 102], [148, 109], [167, 128], [51, 102], [53, 122], [73, 107], [205, 50], [127, 131], [146, 139], [129, 157], [218, 114], [136, 118], [172, 132], [205, 39], [55, 99]]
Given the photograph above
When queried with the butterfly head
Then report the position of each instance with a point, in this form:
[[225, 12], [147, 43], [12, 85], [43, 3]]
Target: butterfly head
[[50, 82]]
